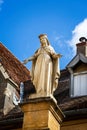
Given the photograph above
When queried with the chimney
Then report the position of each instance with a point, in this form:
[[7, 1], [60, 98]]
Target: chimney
[[82, 46]]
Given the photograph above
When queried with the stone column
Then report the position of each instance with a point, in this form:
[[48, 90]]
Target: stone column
[[41, 114]]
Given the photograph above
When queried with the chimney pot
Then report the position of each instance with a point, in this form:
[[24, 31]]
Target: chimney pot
[[82, 39], [82, 46]]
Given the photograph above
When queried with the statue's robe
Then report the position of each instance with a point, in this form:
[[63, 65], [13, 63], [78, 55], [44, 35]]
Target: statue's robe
[[45, 71]]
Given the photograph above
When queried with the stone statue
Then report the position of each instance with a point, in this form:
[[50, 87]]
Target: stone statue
[[45, 68]]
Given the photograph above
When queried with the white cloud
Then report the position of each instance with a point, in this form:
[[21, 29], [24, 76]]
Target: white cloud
[[80, 30], [1, 2]]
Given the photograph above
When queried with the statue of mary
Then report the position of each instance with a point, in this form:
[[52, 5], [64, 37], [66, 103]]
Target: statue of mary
[[45, 70]]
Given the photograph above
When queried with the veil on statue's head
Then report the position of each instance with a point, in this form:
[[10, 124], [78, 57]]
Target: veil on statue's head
[[44, 36]]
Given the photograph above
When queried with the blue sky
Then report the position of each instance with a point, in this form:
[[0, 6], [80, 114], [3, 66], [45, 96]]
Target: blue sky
[[21, 21]]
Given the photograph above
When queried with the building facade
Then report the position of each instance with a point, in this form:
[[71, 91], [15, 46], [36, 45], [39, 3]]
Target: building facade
[[71, 94]]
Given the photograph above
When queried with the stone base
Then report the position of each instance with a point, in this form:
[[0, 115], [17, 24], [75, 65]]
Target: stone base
[[41, 114]]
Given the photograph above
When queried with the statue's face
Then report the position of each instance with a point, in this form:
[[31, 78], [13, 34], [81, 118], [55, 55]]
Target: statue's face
[[43, 41]]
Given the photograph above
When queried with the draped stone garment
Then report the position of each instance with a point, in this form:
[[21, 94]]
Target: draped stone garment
[[45, 71]]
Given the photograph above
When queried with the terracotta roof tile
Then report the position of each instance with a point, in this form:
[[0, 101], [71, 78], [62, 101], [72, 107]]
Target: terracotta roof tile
[[15, 69]]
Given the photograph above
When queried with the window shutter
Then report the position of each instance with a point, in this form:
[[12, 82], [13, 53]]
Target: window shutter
[[80, 85]]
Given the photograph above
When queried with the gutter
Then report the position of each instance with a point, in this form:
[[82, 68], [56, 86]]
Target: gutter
[[75, 114], [8, 121], [11, 123]]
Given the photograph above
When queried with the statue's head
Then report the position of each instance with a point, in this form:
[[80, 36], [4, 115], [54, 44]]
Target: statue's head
[[44, 36]]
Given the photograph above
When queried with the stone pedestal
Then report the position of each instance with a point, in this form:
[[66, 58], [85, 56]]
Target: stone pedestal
[[41, 114]]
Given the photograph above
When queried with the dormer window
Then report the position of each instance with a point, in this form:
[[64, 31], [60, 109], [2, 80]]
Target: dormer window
[[78, 76], [78, 70]]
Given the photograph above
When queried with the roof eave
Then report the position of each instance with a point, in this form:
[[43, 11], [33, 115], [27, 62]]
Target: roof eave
[[76, 59], [75, 114]]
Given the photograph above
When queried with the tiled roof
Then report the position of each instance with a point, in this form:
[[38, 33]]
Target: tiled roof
[[15, 69], [63, 82], [74, 103]]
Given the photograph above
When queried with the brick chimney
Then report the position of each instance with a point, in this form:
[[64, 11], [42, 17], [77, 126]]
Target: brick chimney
[[82, 46]]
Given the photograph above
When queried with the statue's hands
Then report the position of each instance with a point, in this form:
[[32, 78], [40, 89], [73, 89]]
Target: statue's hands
[[25, 61], [28, 59], [59, 55], [56, 56]]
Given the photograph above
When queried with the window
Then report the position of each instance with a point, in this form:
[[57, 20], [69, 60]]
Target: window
[[79, 84]]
